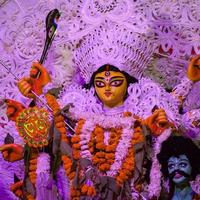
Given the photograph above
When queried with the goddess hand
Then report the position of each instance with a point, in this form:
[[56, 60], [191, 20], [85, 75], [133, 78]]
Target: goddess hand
[[193, 71], [16, 188], [13, 109], [12, 152], [39, 77], [157, 122]]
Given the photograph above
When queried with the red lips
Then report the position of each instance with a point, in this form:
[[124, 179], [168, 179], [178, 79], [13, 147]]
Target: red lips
[[108, 93], [177, 175]]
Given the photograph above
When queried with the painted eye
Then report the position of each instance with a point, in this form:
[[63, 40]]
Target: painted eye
[[171, 166], [100, 84], [116, 83], [183, 164]]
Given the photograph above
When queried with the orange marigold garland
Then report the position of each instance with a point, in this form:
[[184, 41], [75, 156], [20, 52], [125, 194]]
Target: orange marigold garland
[[30, 197], [85, 189], [61, 127], [104, 152], [99, 156], [76, 146], [105, 155], [89, 190], [115, 137], [32, 170], [127, 169]]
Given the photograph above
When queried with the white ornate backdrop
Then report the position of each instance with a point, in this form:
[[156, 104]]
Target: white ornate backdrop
[[174, 25]]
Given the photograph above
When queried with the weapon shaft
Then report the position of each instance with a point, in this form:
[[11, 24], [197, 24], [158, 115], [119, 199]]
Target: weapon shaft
[[38, 97]]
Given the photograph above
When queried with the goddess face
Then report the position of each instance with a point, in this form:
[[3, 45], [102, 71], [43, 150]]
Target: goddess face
[[179, 169], [110, 87]]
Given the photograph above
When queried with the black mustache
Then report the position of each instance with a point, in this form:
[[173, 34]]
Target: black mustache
[[180, 172]]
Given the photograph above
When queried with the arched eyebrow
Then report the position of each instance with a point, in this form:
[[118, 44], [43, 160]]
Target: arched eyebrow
[[184, 159], [114, 77]]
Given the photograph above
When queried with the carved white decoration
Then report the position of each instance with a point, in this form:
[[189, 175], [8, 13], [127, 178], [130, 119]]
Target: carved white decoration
[[172, 25], [191, 123], [115, 45]]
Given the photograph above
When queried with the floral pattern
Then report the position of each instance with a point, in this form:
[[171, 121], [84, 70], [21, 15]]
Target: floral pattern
[[172, 25]]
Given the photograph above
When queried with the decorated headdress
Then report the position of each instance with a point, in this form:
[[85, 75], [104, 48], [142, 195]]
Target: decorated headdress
[[116, 45]]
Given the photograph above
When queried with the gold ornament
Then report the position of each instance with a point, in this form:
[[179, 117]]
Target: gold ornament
[[33, 126]]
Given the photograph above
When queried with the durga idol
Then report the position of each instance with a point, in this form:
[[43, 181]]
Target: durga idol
[[112, 110]]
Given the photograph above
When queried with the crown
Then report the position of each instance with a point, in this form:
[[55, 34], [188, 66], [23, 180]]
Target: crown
[[118, 46]]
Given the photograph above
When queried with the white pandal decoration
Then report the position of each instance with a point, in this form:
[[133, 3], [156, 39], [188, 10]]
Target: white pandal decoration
[[126, 34]]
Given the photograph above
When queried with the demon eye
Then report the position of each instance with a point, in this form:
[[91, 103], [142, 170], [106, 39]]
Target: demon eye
[[183, 164], [171, 166]]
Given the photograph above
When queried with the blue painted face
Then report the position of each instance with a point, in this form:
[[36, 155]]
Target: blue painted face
[[179, 169]]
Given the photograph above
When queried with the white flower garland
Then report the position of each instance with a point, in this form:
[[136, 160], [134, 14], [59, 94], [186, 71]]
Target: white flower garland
[[121, 150], [195, 185], [86, 131], [107, 122], [183, 88], [43, 176], [154, 187]]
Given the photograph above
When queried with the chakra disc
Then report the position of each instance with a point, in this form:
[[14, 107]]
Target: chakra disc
[[33, 126]]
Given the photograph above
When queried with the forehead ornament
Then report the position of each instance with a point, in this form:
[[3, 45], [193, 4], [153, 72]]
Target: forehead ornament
[[107, 73]]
